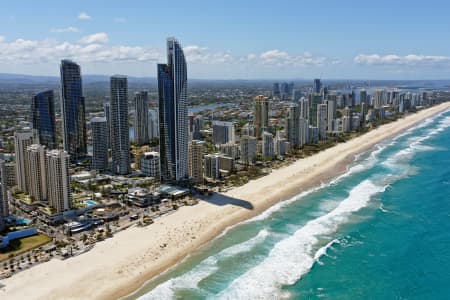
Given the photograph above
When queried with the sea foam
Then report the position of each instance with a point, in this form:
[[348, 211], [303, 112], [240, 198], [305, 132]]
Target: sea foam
[[204, 269], [294, 256]]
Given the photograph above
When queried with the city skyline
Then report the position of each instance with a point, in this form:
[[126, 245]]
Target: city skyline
[[283, 40]]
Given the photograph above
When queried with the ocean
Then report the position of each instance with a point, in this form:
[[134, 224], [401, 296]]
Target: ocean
[[381, 230]]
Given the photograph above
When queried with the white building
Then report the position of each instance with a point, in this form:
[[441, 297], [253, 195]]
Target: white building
[[331, 113], [248, 149], [150, 164], [268, 145], [58, 180], [223, 132], [36, 171], [21, 141]]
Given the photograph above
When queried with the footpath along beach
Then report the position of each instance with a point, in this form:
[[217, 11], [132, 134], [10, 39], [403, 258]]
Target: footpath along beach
[[120, 265]]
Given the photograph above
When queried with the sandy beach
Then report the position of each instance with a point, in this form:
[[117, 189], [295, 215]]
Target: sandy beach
[[120, 265]]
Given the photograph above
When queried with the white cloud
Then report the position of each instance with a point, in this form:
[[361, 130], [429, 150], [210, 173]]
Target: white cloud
[[67, 29], [84, 16], [282, 58], [197, 54], [2, 38], [120, 20], [96, 49], [23, 51], [406, 60], [100, 37]]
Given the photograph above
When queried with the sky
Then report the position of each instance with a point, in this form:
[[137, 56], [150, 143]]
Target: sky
[[231, 39]]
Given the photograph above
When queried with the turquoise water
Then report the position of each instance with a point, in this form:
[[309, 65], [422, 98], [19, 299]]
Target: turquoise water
[[379, 231], [90, 202]]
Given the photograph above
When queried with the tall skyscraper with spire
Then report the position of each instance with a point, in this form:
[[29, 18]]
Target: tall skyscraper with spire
[[173, 115], [120, 137], [43, 118], [73, 110]]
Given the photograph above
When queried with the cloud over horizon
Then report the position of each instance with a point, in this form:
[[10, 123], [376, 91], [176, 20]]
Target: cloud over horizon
[[398, 60]]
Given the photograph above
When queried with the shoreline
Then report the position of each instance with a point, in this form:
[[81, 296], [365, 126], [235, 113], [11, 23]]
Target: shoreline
[[122, 265]]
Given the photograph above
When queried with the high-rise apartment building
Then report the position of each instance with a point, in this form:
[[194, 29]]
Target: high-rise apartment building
[[268, 145], [120, 138], [322, 123], [248, 149], [331, 113], [7, 180], [100, 132], [196, 161], [317, 86], [43, 118], [106, 113], [141, 136], [36, 172], [223, 132], [58, 181], [173, 114], [150, 164], [212, 166], [21, 142], [73, 110], [261, 114], [153, 123]]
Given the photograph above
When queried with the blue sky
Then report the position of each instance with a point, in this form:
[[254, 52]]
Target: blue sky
[[231, 39]]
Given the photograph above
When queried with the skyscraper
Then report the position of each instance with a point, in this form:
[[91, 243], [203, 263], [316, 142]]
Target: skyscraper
[[276, 91], [197, 127], [196, 161], [8, 180], [173, 114], [99, 147], [292, 125], [315, 100], [43, 118], [331, 108], [261, 114], [223, 132], [36, 172], [212, 168], [322, 115], [317, 85], [268, 150], [141, 136], [73, 110], [21, 142], [248, 149], [363, 96], [106, 110], [58, 180], [153, 123], [120, 138]]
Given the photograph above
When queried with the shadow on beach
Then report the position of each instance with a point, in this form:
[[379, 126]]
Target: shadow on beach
[[222, 200]]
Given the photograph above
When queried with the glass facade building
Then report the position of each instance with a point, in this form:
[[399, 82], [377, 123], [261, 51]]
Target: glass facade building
[[173, 114], [73, 110], [43, 118], [120, 138]]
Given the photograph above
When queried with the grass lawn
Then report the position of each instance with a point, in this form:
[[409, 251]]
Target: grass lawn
[[20, 246]]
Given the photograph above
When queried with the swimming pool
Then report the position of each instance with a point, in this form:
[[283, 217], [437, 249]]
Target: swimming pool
[[90, 202], [17, 220]]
